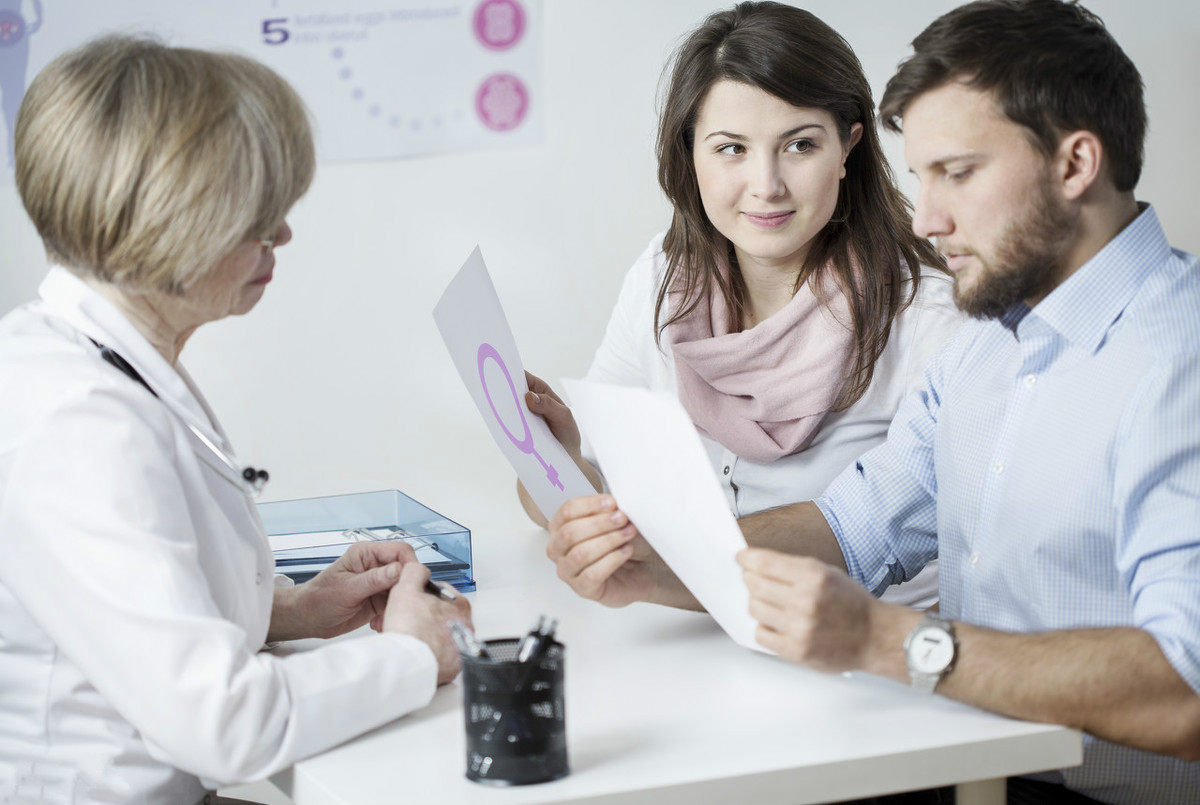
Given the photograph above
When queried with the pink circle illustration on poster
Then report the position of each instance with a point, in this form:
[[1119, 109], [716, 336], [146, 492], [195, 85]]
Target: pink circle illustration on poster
[[499, 24], [502, 102]]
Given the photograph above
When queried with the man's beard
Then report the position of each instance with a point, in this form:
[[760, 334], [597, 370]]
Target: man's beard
[[1026, 259]]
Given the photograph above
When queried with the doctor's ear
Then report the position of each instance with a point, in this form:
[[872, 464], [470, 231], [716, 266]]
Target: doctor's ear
[[1078, 163]]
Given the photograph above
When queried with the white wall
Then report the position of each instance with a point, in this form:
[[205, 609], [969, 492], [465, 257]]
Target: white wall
[[339, 382]]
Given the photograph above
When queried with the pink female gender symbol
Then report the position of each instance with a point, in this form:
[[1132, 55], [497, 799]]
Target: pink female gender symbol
[[525, 445]]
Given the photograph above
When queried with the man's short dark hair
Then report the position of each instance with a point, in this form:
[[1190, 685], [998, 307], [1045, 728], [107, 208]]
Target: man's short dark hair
[[1051, 65]]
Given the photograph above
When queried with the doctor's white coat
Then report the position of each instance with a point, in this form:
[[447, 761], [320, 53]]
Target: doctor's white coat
[[136, 585]]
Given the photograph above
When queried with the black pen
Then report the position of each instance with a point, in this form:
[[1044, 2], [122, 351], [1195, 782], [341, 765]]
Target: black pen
[[547, 637], [529, 643], [534, 644], [444, 593]]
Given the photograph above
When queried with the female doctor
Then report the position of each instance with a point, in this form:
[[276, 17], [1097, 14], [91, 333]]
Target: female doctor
[[136, 582]]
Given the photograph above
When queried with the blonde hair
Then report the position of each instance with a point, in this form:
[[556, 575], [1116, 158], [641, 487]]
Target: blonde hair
[[144, 165]]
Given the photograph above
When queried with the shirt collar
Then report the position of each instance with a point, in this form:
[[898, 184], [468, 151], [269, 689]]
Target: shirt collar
[[1012, 319], [70, 298], [1084, 307]]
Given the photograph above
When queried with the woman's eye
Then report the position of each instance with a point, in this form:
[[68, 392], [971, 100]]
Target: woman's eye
[[801, 146], [731, 149], [962, 175]]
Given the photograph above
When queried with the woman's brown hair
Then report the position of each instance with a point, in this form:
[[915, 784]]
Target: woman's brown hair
[[868, 245]]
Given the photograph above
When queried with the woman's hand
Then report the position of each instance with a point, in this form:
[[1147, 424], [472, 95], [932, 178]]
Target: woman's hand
[[601, 555], [542, 400]]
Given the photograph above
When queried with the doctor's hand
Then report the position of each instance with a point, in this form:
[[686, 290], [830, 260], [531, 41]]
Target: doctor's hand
[[814, 614], [601, 555], [349, 593], [541, 400], [413, 611]]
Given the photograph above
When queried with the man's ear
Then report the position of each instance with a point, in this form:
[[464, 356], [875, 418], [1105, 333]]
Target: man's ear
[[1078, 163]]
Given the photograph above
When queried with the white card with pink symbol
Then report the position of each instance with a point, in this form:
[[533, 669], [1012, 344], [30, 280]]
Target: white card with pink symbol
[[476, 332]]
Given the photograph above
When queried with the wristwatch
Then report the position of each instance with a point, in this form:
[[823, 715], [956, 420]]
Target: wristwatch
[[930, 649]]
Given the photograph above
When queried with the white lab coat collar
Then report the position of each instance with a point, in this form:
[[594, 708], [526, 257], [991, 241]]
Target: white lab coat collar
[[70, 298]]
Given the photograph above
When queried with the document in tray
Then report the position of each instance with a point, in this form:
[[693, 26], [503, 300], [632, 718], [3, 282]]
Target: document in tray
[[321, 547], [658, 471], [476, 332]]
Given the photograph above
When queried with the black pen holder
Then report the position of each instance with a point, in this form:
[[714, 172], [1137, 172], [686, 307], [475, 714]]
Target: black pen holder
[[516, 732]]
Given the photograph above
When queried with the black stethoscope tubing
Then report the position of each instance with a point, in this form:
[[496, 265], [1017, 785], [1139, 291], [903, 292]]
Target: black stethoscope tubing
[[254, 478]]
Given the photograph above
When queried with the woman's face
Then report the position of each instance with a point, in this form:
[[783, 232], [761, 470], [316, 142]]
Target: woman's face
[[768, 172], [237, 284]]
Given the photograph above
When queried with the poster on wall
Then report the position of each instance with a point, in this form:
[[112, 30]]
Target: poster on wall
[[382, 78]]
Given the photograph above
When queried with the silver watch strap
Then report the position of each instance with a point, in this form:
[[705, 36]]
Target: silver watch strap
[[923, 682]]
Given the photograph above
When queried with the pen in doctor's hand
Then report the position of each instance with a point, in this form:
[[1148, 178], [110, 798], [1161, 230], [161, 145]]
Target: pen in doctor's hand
[[444, 593]]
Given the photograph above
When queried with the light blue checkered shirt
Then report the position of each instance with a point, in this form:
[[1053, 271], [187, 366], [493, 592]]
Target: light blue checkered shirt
[[1052, 462]]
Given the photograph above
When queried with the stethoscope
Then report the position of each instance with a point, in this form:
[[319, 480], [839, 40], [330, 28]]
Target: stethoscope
[[249, 479]]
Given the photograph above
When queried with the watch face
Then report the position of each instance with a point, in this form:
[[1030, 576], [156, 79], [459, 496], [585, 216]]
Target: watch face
[[931, 651]]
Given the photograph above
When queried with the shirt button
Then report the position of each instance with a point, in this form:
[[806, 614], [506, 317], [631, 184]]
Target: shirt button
[[998, 467], [974, 559], [726, 470], [1030, 380], [258, 577]]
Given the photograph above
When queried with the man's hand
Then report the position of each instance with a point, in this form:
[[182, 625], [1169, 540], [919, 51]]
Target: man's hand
[[812, 613]]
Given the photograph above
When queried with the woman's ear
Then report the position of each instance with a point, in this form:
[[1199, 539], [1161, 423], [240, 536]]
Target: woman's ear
[[856, 131]]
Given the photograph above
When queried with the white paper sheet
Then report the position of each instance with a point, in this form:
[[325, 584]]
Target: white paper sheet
[[476, 332], [658, 471], [334, 543]]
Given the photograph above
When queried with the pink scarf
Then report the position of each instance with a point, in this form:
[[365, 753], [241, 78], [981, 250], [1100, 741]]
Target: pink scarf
[[763, 392]]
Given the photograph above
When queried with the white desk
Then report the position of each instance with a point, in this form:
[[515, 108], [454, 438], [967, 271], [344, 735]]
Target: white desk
[[662, 707]]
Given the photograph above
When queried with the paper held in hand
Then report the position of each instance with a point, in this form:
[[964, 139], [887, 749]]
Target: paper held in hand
[[656, 467], [481, 344]]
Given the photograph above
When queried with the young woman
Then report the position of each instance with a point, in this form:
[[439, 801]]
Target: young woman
[[789, 304]]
